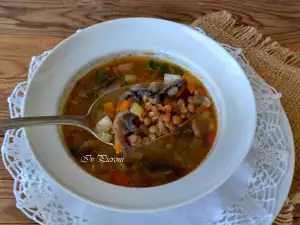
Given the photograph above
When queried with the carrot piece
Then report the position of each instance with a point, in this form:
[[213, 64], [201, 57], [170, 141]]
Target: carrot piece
[[191, 86], [201, 91], [203, 108], [120, 178], [125, 105], [108, 107], [211, 137], [118, 148], [191, 83]]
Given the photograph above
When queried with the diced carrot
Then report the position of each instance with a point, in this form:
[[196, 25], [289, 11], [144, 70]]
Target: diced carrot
[[120, 178], [118, 148], [203, 108], [191, 83], [211, 137], [191, 86], [201, 91], [108, 107], [125, 105]]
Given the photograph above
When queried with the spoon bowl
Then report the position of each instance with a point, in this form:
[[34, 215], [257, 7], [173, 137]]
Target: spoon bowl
[[96, 113], [87, 122]]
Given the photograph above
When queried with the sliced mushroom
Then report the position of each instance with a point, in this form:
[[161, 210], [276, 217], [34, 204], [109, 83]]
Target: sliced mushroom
[[157, 169], [118, 128], [108, 85], [156, 166], [122, 125], [172, 91], [130, 127], [180, 84], [156, 87], [129, 95], [142, 92], [197, 99], [157, 99]]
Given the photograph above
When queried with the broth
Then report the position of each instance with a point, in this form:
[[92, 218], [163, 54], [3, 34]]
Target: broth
[[159, 163]]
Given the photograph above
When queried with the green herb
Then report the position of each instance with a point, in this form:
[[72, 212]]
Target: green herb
[[177, 70], [100, 107], [152, 64], [77, 83], [101, 76], [163, 68]]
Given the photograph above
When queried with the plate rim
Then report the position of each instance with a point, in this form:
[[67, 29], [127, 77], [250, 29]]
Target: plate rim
[[284, 186]]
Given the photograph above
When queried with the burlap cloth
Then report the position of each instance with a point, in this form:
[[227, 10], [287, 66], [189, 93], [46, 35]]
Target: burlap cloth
[[279, 66]]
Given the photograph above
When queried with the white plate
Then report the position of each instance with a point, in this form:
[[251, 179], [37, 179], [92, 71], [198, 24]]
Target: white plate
[[205, 58], [285, 184]]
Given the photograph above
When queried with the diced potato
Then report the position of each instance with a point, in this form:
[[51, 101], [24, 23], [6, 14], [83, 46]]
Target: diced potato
[[168, 78], [106, 137], [130, 78], [105, 124], [137, 109]]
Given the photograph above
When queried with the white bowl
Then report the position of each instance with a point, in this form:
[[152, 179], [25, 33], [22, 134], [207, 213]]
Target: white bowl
[[205, 58]]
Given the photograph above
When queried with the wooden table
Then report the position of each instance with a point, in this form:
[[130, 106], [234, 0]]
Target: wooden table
[[29, 27]]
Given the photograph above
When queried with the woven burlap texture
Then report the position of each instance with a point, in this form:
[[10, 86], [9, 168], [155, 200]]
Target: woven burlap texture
[[278, 66]]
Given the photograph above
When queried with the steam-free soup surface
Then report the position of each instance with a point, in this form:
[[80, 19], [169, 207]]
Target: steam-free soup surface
[[152, 164]]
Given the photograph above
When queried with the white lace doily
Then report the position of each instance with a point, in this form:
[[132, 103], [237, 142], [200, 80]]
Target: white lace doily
[[44, 202]]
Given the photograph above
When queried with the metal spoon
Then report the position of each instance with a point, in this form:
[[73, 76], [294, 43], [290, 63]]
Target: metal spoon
[[86, 122]]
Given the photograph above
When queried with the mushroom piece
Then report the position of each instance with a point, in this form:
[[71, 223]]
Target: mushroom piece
[[158, 169], [129, 95], [106, 84], [142, 92], [174, 87], [130, 127], [172, 91], [156, 87], [122, 125], [155, 166], [118, 128]]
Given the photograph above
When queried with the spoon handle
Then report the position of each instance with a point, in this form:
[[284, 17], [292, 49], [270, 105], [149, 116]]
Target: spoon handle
[[81, 121]]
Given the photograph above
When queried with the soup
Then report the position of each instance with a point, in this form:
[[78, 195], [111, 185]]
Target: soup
[[175, 107]]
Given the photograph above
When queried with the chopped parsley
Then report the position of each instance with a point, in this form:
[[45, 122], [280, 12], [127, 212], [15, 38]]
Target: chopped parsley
[[101, 76], [177, 70], [100, 107], [152, 64], [163, 68]]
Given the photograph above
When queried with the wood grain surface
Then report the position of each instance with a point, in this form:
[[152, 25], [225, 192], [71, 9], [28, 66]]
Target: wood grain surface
[[30, 27]]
